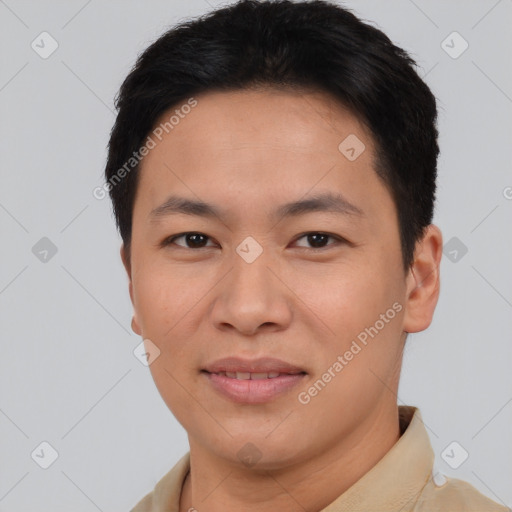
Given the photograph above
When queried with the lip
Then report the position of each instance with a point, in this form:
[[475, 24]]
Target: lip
[[260, 365], [252, 391]]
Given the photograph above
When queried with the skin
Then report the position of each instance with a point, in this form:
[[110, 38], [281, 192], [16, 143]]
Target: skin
[[247, 152]]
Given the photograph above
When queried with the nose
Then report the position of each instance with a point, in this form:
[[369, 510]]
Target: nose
[[252, 298]]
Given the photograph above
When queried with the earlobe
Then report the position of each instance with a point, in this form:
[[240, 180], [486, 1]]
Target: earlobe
[[127, 265], [135, 326], [423, 281]]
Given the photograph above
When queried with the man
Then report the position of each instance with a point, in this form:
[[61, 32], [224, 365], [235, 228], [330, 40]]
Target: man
[[272, 170]]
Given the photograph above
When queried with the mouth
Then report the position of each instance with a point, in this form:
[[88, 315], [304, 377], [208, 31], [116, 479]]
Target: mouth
[[253, 376], [252, 382], [245, 369]]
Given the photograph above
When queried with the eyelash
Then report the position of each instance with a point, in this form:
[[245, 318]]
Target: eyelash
[[338, 240]]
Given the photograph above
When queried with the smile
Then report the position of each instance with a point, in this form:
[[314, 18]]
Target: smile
[[252, 388], [251, 376]]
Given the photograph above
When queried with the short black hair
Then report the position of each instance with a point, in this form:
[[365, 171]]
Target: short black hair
[[315, 45]]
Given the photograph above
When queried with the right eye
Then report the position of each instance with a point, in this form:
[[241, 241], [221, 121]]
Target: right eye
[[192, 239]]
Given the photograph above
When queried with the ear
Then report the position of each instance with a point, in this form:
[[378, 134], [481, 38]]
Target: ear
[[423, 281], [125, 258]]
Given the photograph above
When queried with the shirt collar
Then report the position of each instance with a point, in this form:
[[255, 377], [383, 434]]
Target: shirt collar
[[397, 480], [394, 483]]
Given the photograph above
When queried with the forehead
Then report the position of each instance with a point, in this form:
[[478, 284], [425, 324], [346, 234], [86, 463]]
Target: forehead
[[255, 144], [294, 119]]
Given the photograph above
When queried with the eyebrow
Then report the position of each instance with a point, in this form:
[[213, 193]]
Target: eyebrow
[[325, 202]]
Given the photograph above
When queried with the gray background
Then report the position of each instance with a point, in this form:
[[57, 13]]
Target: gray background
[[68, 373]]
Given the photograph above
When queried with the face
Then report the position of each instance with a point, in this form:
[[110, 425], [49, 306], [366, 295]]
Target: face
[[318, 285]]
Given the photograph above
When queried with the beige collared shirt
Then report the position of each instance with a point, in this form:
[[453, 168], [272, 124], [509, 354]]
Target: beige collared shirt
[[402, 481]]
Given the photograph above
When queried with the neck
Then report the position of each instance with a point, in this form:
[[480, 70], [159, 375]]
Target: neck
[[217, 484]]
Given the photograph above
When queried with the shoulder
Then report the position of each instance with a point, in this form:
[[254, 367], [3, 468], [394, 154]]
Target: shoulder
[[166, 493], [444, 493], [145, 504]]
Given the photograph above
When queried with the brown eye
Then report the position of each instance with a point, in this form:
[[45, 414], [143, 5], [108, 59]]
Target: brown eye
[[318, 240], [192, 240]]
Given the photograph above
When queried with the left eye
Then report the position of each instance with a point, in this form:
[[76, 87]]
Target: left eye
[[318, 240]]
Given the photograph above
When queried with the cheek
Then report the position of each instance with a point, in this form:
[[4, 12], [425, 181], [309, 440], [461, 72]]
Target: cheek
[[364, 310], [348, 299], [162, 298], [153, 300], [168, 305], [163, 301]]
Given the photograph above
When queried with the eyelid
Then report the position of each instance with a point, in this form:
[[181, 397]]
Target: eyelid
[[171, 239], [337, 238]]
